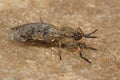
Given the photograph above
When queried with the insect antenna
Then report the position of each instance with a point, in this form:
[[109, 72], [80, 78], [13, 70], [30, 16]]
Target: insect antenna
[[89, 35]]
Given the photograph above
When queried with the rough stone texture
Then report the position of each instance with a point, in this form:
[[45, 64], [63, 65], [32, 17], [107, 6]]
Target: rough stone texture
[[19, 61]]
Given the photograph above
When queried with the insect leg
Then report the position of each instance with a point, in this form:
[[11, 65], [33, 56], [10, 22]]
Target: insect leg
[[82, 55], [60, 50], [88, 47], [84, 46], [41, 21]]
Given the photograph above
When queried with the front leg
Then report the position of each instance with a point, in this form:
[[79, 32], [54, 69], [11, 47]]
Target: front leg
[[84, 46], [74, 46], [80, 52]]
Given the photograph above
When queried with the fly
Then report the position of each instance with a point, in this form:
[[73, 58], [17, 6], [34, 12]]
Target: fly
[[49, 33]]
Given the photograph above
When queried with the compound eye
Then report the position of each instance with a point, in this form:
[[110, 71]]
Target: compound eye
[[77, 36]]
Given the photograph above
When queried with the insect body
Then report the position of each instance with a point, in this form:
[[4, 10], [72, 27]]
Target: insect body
[[35, 31], [49, 33]]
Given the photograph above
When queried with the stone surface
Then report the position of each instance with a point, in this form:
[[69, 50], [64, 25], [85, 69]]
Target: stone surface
[[19, 61]]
